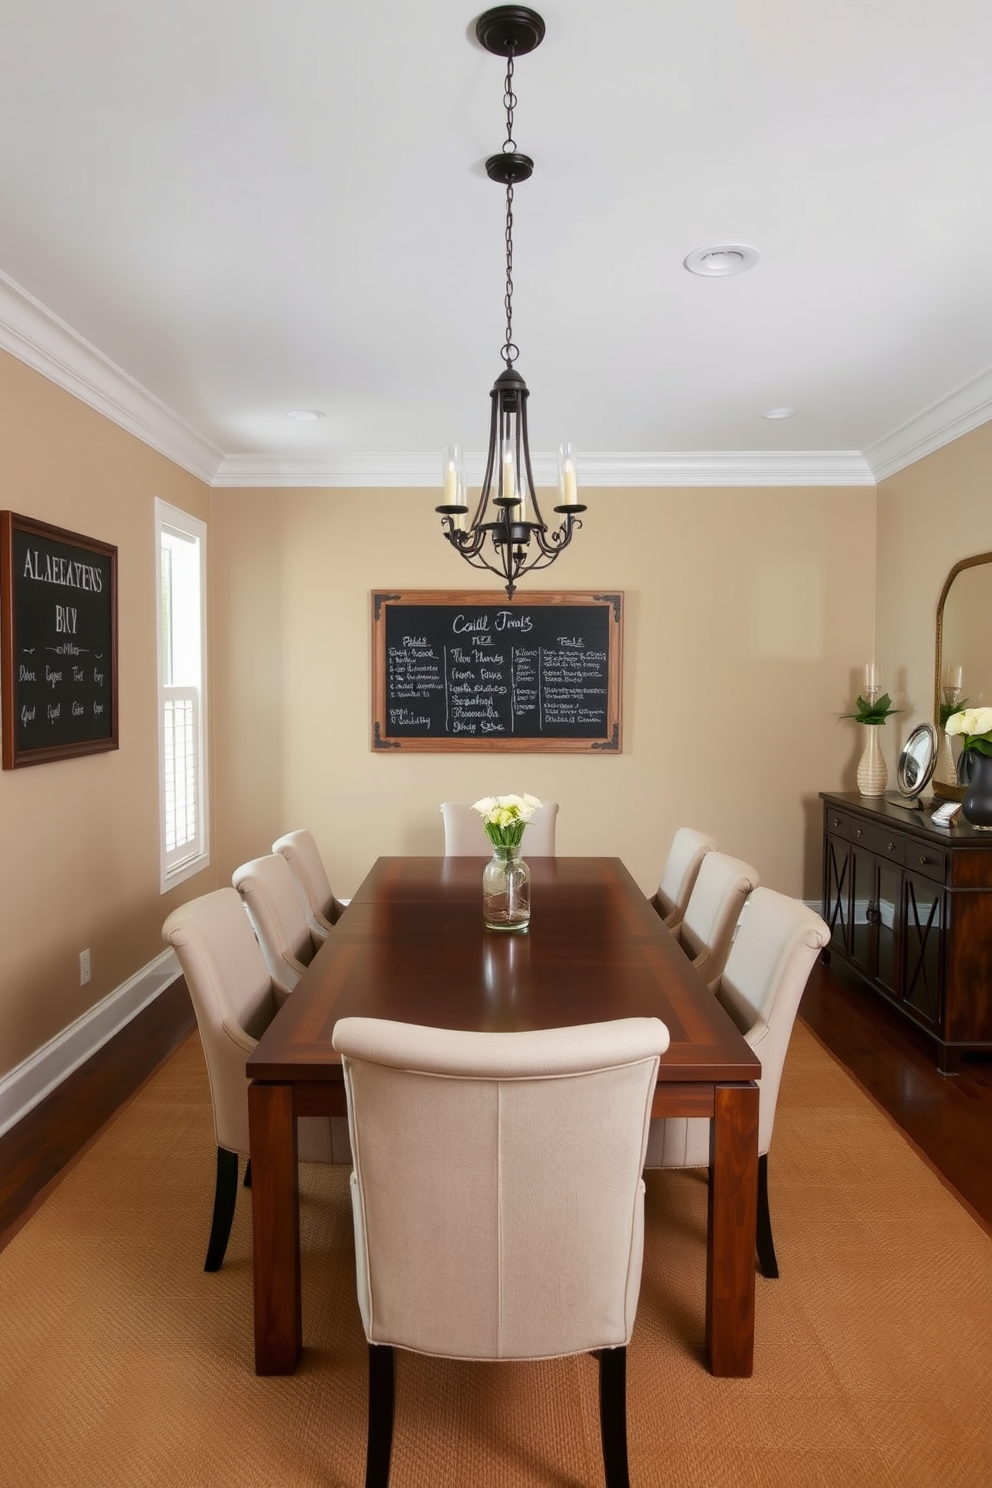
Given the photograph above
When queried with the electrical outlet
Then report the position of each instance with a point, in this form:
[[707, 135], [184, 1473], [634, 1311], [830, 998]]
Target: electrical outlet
[[84, 968]]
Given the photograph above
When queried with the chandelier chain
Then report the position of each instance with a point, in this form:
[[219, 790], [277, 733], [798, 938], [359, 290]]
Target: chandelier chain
[[510, 350]]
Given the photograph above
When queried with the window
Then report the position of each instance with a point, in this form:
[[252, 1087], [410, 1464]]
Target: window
[[181, 568]]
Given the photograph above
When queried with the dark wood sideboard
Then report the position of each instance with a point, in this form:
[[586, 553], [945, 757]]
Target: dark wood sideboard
[[909, 906]]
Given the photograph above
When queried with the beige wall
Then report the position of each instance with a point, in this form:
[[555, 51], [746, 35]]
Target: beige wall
[[930, 515], [80, 837], [747, 615]]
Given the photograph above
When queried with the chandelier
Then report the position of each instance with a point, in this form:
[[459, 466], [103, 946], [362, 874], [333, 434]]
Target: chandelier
[[507, 533]]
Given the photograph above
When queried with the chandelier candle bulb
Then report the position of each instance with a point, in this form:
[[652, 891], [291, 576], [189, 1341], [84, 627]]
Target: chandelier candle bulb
[[567, 488]]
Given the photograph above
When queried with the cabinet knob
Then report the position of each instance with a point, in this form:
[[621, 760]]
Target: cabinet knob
[[858, 832], [924, 858], [891, 846], [835, 822]]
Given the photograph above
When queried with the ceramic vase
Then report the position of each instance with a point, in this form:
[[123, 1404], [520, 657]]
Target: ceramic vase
[[872, 774], [976, 807], [506, 890]]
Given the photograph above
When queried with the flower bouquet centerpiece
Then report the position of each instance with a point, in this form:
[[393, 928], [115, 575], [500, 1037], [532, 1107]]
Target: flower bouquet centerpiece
[[974, 727], [506, 878]]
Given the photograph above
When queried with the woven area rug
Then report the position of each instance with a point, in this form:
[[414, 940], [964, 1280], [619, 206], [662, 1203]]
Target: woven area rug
[[123, 1364]]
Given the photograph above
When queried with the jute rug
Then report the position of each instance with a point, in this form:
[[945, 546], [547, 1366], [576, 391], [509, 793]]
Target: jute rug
[[124, 1365]]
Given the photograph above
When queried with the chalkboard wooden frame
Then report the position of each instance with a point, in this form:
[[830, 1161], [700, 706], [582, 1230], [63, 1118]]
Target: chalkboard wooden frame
[[387, 739], [58, 643]]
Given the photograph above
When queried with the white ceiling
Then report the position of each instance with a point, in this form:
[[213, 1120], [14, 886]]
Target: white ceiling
[[215, 211]]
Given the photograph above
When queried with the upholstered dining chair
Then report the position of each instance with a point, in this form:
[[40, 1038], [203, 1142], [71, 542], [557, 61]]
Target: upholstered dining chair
[[766, 972], [706, 930], [276, 910], [303, 856], [465, 836], [687, 851], [234, 999], [477, 1237]]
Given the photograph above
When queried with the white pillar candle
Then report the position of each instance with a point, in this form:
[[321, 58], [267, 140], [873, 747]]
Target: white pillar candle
[[871, 676], [509, 474]]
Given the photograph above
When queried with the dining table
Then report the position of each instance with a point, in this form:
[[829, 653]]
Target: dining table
[[411, 946]]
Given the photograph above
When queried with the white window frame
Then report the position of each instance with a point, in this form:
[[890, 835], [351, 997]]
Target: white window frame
[[176, 865]]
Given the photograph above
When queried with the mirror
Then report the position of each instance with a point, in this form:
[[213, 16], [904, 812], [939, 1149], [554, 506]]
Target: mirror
[[963, 663], [916, 763]]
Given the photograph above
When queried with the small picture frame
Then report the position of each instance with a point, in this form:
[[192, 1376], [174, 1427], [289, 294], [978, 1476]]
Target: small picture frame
[[58, 642]]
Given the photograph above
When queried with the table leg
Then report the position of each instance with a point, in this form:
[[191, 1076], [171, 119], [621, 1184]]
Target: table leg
[[731, 1231], [275, 1204]]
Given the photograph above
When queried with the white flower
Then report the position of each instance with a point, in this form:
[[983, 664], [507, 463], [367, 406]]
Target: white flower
[[970, 721], [484, 806]]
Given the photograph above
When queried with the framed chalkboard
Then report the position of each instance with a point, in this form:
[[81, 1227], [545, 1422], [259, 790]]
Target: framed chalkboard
[[58, 642], [473, 671]]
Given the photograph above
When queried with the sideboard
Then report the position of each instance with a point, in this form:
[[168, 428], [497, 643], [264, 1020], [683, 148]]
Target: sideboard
[[909, 906]]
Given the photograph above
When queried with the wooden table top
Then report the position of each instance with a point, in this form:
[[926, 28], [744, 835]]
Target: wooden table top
[[411, 946]]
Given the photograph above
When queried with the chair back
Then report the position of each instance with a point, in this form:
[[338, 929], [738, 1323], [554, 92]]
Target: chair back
[[465, 836], [687, 851], [767, 969], [269, 893], [766, 973], [232, 996], [301, 853], [706, 930], [497, 1188]]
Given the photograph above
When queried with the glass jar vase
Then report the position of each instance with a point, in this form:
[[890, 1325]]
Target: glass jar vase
[[506, 890]]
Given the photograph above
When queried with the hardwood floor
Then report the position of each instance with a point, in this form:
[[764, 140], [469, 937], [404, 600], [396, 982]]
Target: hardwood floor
[[45, 1141], [949, 1119]]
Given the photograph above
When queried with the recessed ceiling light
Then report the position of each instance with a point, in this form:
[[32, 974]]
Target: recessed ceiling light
[[305, 415], [777, 413], [725, 258]]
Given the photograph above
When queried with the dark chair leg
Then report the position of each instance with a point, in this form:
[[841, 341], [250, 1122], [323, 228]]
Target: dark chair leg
[[382, 1395], [767, 1264], [248, 1174], [225, 1195], [613, 1415]]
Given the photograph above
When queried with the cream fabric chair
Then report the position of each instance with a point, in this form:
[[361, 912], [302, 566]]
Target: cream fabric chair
[[276, 910], [706, 930], [301, 853], [687, 851], [234, 1000], [767, 969], [465, 836], [498, 1199]]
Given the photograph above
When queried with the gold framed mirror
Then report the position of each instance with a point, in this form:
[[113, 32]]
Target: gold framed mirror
[[962, 658]]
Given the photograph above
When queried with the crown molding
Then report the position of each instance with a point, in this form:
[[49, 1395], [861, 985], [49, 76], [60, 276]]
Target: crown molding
[[34, 335], [37, 337], [965, 409], [417, 470]]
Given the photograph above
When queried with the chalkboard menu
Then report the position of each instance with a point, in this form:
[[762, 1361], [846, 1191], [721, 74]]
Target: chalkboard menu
[[58, 640], [475, 671]]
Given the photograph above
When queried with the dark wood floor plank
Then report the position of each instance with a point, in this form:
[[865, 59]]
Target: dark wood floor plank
[[43, 1142], [948, 1117]]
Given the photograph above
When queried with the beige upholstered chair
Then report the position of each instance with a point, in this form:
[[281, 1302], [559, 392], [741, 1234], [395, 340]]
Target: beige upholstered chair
[[301, 853], [475, 1236], [276, 910], [706, 930], [687, 851], [766, 972], [465, 836], [234, 1000]]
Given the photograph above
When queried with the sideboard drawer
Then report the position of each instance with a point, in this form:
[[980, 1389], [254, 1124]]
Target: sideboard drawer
[[886, 844], [837, 823], [930, 861]]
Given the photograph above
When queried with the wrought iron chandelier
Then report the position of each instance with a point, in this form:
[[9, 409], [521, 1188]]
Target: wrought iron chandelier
[[507, 533]]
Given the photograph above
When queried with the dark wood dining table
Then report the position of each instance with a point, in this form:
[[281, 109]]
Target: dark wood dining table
[[411, 946]]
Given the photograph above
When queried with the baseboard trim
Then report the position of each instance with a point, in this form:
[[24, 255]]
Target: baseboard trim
[[39, 1074]]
